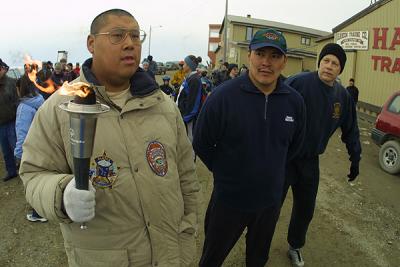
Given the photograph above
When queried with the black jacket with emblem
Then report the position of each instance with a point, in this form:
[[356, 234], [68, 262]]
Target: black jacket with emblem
[[245, 137], [148, 214], [328, 108]]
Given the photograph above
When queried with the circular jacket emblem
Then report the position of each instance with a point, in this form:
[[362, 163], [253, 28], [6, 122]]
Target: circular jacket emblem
[[157, 159]]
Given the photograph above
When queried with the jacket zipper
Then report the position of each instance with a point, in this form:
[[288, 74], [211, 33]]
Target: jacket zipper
[[265, 107]]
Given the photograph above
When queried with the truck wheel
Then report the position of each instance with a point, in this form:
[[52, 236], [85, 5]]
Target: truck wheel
[[389, 157]]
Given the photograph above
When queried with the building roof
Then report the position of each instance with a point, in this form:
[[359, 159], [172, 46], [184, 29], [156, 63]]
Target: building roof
[[323, 38], [361, 14], [273, 24]]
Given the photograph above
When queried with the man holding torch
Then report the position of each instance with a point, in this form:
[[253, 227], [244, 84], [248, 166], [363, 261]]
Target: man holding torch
[[141, 204]]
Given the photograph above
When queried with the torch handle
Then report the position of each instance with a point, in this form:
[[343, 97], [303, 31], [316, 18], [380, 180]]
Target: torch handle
[[81, 172]]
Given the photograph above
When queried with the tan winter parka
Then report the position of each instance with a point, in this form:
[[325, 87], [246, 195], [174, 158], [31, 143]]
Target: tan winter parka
[[144, 216]]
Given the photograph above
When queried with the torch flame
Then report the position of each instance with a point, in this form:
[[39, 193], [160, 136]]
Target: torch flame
[[31, 67], [80, 88]]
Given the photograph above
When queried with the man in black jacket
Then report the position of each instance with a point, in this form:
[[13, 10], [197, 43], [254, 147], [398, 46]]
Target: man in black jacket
[[353, 90], [8, 104], [328, 107], [245, 133]]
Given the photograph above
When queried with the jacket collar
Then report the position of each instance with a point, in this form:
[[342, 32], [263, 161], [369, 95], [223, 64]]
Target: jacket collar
[[141, 83], [247, 85]]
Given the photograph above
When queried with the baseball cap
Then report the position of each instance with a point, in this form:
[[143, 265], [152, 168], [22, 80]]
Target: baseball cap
[[268, 37]]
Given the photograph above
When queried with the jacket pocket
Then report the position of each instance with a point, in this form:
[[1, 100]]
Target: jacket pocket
[[98, 258], [187, 240], [187, 247]]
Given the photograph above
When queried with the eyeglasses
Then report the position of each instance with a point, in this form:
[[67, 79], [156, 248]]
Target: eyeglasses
[[117, 36]]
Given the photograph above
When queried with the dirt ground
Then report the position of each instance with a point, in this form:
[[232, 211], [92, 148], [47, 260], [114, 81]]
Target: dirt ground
[[355, 224]]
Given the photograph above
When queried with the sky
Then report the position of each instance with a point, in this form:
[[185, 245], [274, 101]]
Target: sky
[[179, 28]]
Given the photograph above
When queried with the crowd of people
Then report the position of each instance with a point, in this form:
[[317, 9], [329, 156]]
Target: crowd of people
[[256, 131]]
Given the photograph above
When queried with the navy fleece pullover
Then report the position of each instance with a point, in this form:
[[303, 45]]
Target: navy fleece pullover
[[245, 137], [328, 108]]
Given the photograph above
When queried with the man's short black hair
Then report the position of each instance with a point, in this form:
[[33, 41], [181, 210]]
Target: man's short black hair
[[352, 80], [100, 20]]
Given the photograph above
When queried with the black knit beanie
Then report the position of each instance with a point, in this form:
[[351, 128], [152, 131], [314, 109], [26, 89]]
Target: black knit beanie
[[336, 50]]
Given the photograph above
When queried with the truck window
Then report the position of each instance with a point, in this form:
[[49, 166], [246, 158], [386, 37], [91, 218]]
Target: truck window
[[395, 105]]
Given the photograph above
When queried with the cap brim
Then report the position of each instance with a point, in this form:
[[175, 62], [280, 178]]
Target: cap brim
[[261, 45]]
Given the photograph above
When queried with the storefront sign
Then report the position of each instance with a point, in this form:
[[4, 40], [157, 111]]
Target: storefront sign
[[386, 39], [356, 40]]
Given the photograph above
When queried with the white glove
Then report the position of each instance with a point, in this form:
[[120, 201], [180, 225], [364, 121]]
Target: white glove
[[79, 204]]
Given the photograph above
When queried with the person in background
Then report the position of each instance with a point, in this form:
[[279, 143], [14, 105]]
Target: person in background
[[63, 62], [353, 91], [220, 75], [247, 131], [70, 75], [189, 98], [177, 79], [165, 87], [152, 64], [146, 68], [232, 72], [58, 75], [77, 69], [50, 66], [42, 78], [206, 82], [328, 107], [8, 106], [142, 204], [29, 102], [243, 69]]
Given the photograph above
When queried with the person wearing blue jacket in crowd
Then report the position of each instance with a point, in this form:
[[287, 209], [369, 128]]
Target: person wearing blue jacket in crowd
[[189, 98], [29, 102], [246, 132], [329, 107]]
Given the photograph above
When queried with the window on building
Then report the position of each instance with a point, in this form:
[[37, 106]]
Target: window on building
[[214, 33], [249, 33], [395, 105], [305, 40], [213, 47]]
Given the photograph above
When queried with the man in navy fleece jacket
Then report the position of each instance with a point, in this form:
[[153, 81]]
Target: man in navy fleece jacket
[[244, 134], [329, 106]]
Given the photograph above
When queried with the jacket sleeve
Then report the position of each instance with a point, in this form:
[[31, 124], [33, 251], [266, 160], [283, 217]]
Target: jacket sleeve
[[44, 169], [300, 133], [192, 105], [22, 123], [350, 132], [187, 175], [207, 131]]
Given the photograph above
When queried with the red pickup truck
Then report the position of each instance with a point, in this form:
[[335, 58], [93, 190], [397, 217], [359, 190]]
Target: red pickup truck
[[386, 134]]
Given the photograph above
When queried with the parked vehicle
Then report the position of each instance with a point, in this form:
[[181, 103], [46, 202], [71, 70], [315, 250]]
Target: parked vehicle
[[172, 65], [386, 134], [160, 68]]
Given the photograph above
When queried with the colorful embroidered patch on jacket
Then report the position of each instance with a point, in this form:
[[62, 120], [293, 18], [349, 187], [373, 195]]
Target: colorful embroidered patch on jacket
[[157, 158], [103, 172]]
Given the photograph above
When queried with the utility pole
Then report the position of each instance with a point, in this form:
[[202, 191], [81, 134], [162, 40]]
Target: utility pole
[[159, 26], [149, 41], [225, 29]]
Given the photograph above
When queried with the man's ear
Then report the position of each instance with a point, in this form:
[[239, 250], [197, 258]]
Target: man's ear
[[90, 43]]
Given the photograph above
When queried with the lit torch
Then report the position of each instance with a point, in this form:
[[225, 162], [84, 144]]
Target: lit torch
[[32, 68], [83, 111]]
